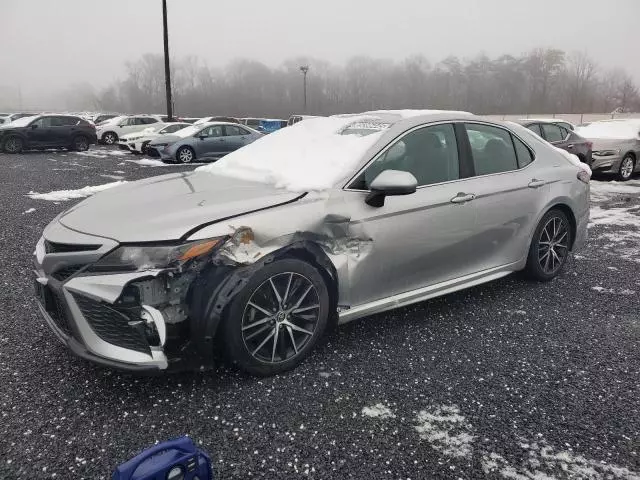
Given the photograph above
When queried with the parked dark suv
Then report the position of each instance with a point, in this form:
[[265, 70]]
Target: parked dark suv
[[47, 131], [561, 137]]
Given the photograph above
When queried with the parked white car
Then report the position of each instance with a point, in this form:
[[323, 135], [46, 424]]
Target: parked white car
[[113, 129], [137, 142]]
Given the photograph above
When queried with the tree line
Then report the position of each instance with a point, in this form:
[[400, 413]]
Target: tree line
[[540, 81]]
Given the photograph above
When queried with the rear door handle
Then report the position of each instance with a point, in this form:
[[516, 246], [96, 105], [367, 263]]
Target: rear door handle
[[536, 183], [463, 198]]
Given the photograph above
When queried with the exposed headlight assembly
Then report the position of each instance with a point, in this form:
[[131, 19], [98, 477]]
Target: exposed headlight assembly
[[145, 257]]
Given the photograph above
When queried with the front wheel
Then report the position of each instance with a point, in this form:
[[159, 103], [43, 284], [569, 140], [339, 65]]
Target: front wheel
[[626, 168], [276, 320], [110, 138], [550, 246], [185, 155], [13, 145], [80, 143]]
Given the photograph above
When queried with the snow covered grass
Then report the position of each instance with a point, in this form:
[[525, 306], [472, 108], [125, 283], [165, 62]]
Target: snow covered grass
[[446, 430], [621, 130], [64, 195], [378, 411], [311, 155]]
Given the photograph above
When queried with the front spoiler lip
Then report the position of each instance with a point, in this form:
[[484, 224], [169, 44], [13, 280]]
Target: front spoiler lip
[[81, 351]]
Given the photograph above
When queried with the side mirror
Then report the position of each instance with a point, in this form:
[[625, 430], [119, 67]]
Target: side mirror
[[390, 182]]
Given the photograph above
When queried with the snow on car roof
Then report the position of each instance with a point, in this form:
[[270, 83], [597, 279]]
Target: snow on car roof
[[623, 129], [310, 155], [314, 154]]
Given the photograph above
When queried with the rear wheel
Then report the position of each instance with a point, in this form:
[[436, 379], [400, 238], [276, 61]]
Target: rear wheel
[[110, 138], [185, 155], [550, 245], [277, 319], [13, 145], [80, 143], [627, 165]]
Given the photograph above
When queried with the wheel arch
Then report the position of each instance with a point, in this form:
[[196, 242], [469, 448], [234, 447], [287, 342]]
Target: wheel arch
[[212, 293], [566, 209]]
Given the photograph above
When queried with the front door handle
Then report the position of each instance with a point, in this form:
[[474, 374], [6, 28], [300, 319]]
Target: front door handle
[[536, 183], [463, 198]]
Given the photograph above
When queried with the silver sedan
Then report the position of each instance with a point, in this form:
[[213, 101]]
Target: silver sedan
[[392, 208]]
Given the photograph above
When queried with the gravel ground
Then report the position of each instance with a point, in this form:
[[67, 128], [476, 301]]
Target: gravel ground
[[507, 380]]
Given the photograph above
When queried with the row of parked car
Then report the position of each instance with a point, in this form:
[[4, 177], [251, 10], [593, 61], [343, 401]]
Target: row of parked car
[[611, 146]]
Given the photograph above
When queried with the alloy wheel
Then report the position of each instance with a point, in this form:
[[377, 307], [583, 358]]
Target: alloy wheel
[[280, 317], [109, 139], [626, 168], [13, 145], [553, 245], [81, 144], [185, 155]]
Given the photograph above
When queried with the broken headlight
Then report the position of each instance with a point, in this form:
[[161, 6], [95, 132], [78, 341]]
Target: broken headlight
[[143, 257]]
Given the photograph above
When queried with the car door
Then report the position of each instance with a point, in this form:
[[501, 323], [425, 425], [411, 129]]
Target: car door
[[236, 137], [210, 142], [39, 133], [508, 194], [415, 240], [62, 128]]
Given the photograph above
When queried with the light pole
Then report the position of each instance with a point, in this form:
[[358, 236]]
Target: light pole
[[304, 69], [167, 69]]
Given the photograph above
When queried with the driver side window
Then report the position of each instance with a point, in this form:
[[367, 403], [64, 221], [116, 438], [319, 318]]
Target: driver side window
[[430, 154], [213, 131]]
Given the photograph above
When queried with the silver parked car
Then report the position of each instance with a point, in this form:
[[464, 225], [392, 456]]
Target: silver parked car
[[389, 209], [201, 143], [616, 146]]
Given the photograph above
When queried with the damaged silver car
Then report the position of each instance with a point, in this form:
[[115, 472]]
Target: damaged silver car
[[164, 273]]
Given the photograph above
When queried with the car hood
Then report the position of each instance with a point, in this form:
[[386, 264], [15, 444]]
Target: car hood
[[162, 139], [167, 207]]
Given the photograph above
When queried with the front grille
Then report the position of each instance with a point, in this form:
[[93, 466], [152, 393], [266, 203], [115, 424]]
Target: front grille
[[55, 307], [111, 325], [66, 272], [153, 152], [53, 247]]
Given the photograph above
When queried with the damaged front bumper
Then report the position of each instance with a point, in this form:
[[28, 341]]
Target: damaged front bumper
[[137, 320]]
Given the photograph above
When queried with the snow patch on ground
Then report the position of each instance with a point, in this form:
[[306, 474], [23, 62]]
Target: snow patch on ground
[[625, 217], [101, 153], [377, 411], [150, 162], [30, 210], [613, 291], [602, 191], [541, 462], [113, 177], [63, 195], [446, 430]]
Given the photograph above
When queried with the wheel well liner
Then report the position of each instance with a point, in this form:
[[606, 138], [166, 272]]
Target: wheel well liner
[[215, 288]]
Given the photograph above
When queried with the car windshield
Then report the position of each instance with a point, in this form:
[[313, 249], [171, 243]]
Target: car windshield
[[189, 131], [23, 121]]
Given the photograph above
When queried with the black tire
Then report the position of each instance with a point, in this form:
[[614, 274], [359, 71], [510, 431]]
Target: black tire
[[627, 166], [109, 138], [291, 277], [546, 248], [80, 143], [13, 145], [185, 155]]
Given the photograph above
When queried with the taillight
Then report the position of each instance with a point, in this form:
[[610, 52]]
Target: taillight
[[584, 176]]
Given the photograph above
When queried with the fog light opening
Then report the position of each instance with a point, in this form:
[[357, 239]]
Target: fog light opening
[[154, 320]]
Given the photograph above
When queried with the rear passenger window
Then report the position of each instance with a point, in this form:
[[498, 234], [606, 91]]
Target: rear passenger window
[[525, 157], [535, 128], [552, 133], [491, 148]]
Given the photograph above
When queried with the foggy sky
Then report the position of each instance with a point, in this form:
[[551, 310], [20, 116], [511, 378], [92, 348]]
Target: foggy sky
[[49, 44]]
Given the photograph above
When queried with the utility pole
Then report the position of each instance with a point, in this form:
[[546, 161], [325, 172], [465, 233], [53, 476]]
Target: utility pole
[[304, 69], [167, 68]]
